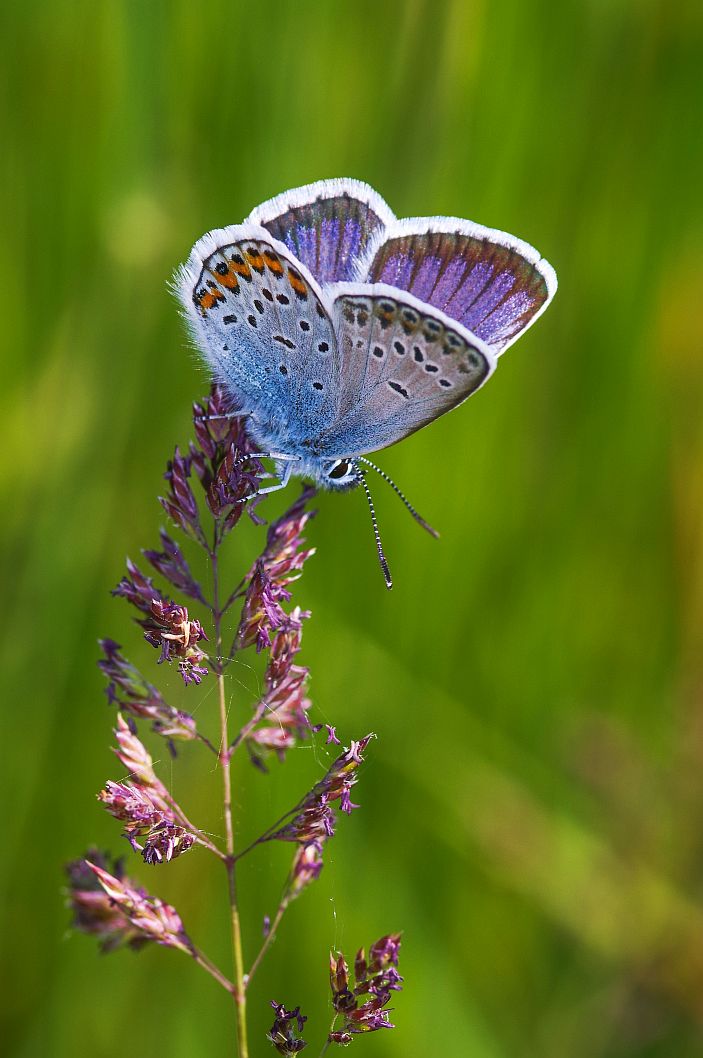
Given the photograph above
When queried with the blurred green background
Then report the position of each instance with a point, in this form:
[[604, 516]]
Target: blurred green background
[[533, 807]]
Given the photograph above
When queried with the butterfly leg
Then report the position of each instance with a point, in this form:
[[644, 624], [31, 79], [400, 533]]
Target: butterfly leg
[[225, 415], [285, 478]]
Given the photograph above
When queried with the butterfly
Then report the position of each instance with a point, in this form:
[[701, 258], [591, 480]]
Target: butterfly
[[338, 329]]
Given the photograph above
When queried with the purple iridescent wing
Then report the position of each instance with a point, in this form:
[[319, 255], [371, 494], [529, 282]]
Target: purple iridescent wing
[[493, 284], [328, 225]]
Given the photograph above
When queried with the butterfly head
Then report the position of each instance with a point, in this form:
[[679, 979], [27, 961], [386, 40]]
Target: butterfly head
[[340, 474]]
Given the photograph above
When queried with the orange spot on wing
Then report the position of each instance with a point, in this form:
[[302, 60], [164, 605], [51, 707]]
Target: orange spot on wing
[[242, 269], [230, 280], [206, 300], [298, 284], [255, 260], [273, 263]]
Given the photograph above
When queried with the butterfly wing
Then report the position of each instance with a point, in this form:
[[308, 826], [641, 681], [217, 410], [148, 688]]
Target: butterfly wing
[[492, 283], [327, 225], [405, 364], [261, 323]]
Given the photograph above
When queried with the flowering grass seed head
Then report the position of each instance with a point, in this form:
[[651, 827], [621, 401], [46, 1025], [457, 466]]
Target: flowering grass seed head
[[172, 565], [135, 757], [94, 912], [307, 864], [284, 706], [268, 580], [153, 919], [364, 1006], [285, 1033], [180, 504], [150, 824], [134, 695], [167, 626], [107, 904]]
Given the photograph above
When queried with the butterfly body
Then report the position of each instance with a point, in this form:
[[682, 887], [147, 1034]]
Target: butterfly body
[[338, 330]]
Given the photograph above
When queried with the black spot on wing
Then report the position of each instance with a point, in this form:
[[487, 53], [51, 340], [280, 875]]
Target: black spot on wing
[[399, 389]]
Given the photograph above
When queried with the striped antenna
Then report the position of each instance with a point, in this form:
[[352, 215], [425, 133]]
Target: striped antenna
[[418, 518], [359, 475]]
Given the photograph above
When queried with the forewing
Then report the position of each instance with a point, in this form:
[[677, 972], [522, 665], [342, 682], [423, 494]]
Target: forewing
[[260, 321], [404, 364], [490, 282], [327, 225]]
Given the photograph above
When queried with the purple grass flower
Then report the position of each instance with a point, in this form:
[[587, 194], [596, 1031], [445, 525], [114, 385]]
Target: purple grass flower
[[167, 626], [134, 695], [215, 428], [220, 461], [331, 733], [164, 842], [236, 480], [136, 758], [137, 589], [384, 953], [172, 565], [180, 504], [341, 777], [284, 705], [364, 1006], [314, 820], [268, 580], [283, 1034], [93, 911], [190, 671], [151, 826], [153, 919], [307, 864]]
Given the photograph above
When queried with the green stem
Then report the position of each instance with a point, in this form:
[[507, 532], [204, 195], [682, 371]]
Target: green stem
[[270, 937], [225, 755], [209, 966]]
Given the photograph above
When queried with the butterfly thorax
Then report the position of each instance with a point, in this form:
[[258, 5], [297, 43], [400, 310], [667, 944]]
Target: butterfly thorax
[[337, 474], [305, 456]]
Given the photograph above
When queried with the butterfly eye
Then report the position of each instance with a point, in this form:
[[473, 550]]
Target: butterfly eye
[[339, 470]]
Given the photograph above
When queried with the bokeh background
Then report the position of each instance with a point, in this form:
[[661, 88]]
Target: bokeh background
[[533, 807]]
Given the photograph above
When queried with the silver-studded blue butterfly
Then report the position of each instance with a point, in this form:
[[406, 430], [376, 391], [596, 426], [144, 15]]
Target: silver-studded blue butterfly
[[339, 330]]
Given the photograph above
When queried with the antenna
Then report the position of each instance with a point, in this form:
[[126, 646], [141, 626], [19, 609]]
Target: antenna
[[389, 481], [358, 474]]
